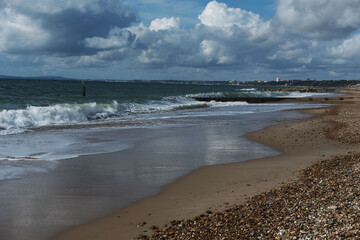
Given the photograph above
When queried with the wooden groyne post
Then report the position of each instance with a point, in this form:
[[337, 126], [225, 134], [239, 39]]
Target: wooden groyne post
[[83, 88]]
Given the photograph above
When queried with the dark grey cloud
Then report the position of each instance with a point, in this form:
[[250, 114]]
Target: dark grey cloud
[[67, 29], [70, 27]]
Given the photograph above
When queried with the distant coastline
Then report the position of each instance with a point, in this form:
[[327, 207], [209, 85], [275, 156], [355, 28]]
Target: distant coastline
[[331, 84]]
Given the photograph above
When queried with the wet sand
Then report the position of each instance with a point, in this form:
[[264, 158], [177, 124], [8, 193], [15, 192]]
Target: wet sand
[[215, 188]]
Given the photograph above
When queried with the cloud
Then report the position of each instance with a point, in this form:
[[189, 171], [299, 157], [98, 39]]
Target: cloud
[[19, 32], [322, 19], [220, 15], [335, 74], [52, 28], [348, 49], [164, 48], [234, 20], [164, 24], [117, 38], [216, 53], [304, 37], [224, 37]]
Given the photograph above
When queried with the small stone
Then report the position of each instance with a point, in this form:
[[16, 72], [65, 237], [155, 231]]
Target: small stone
[[153, 227], [332, 207]]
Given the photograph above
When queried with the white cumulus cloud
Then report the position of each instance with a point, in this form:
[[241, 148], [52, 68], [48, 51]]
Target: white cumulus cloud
[[164, 24], [233, 20], [220, 15]]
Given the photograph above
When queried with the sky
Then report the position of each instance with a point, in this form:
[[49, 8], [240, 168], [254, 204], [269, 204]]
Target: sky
[[181, 40]]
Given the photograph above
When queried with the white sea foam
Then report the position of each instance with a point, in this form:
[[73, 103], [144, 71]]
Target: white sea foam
[[34, 116], [211, 94], [246, 89], [17, 121], [227, 104], [310, 94]]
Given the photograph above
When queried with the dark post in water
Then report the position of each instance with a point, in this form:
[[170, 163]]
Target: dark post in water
[[83, 88]]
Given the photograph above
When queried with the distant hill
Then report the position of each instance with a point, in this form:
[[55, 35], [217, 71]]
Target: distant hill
[[37, 77]]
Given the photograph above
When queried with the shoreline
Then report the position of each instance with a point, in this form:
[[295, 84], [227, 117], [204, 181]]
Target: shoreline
[[215, 188]]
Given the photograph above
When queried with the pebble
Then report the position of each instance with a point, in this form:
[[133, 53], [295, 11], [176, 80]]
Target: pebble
[[342, 122], [322, 203]]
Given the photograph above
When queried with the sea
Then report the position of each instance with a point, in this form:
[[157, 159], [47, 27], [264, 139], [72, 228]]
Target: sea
[[66, 158], [32, 110]]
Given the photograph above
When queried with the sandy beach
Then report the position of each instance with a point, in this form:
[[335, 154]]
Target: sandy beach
[[216, 188]]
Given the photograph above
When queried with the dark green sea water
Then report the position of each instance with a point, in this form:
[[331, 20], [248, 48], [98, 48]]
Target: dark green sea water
[[18, 94], [27, 104]]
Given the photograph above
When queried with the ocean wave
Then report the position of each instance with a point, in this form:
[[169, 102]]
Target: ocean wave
[[244, 92], [35, 116], [167, 104], [18, 120]]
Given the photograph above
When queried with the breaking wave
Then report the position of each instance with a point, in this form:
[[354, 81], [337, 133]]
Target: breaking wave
[[13, 121], [35, 116], [18, 120]]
